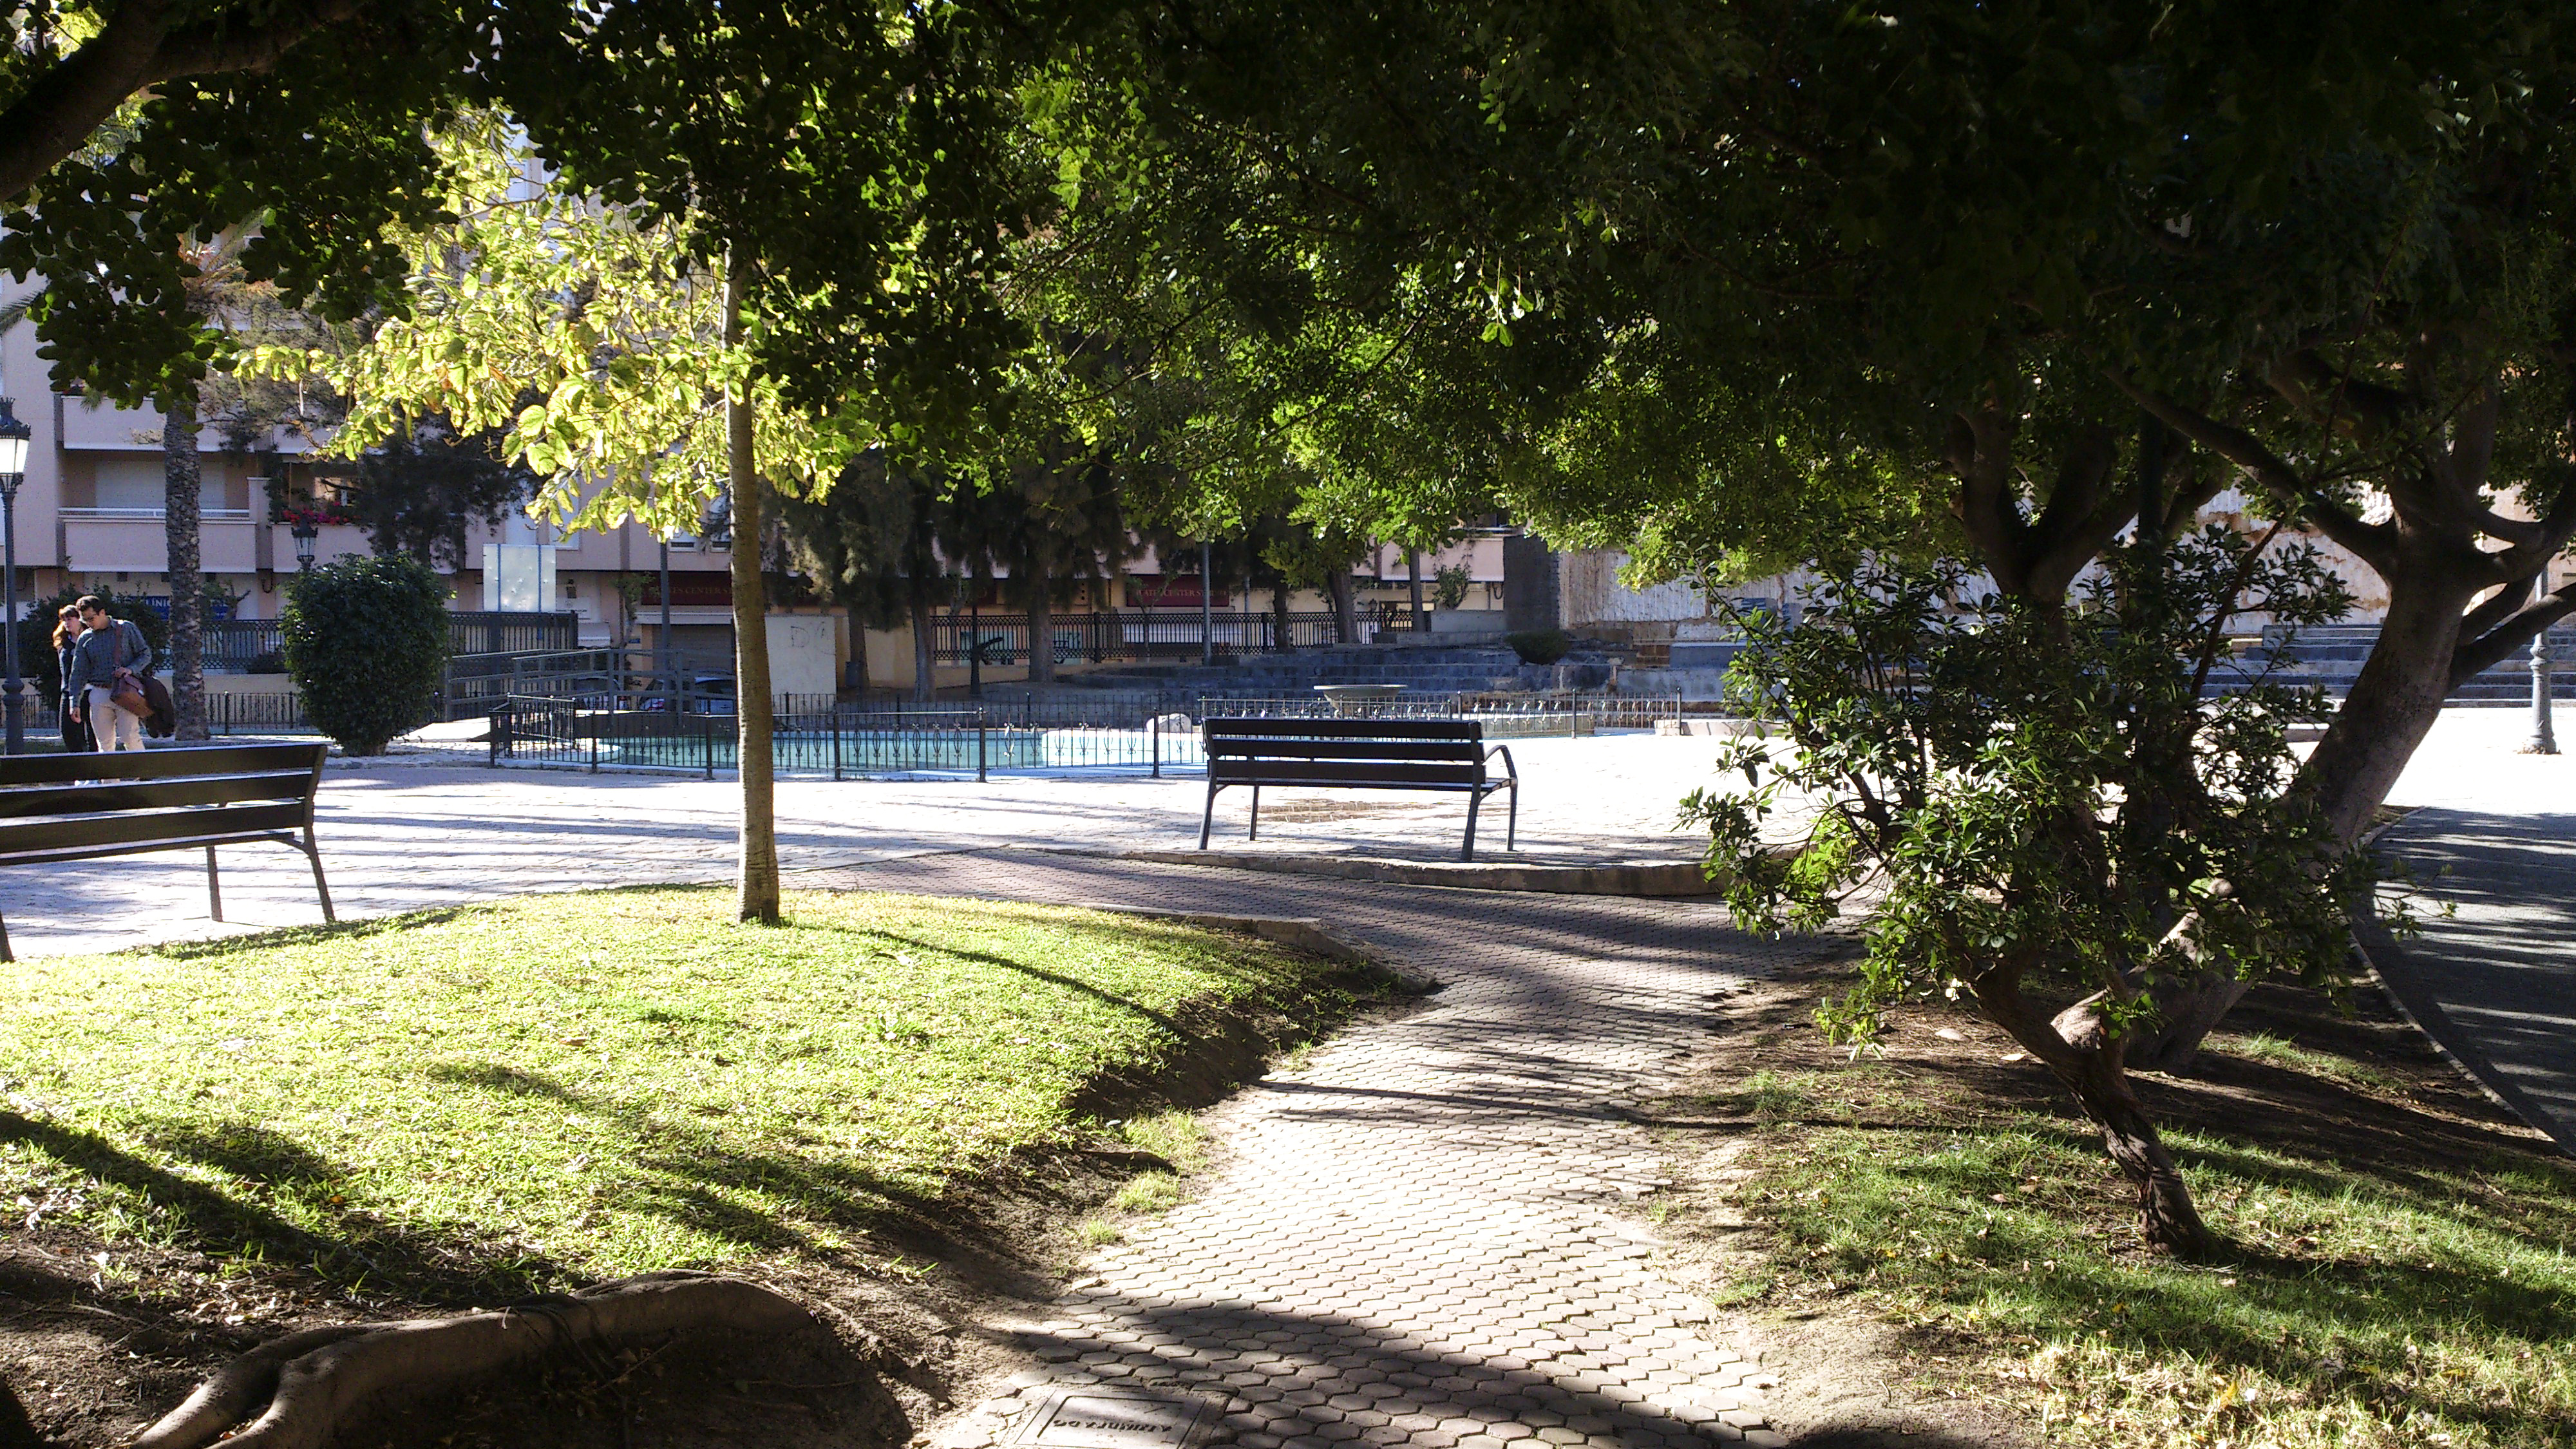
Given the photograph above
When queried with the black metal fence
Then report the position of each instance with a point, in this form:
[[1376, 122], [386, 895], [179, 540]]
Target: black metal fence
[[226, 714], [1066, 708], [1139, 732], [1502, 715], [237, 646], [593, 734], [1126, 635]]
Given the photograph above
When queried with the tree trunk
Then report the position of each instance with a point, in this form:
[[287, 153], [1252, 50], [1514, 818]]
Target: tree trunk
[[756, 887], [1413, 578], [1337, 584], [2188, 1008], [925, 645], [180, 477], [2095, 1073], [2394, 701], [1041, 602], [858, 653], [1279, 615]]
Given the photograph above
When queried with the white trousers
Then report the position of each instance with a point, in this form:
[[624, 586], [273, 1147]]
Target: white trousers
[[113, 728]]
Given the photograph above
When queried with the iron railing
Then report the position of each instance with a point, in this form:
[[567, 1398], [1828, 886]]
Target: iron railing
[[232, 646], [1130, 635], [568, 731], [226, 714], [1502, 715]]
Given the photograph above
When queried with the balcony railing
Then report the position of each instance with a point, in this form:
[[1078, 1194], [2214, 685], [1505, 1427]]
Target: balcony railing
[[152, 515]]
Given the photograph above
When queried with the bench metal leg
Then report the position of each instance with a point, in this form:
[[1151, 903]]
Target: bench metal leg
[[1474, 798], [1207, 821], [321, 887], [1512, 822], [1256, 812], [214, 887]]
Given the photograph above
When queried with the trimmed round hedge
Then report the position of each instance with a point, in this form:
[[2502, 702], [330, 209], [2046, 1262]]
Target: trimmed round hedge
[[366, 641]]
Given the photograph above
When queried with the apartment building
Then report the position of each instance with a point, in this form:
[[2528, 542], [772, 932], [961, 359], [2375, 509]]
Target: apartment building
[[90, 516]]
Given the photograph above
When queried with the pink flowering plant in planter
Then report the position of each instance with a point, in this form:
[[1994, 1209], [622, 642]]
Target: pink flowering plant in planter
[[318, 516]]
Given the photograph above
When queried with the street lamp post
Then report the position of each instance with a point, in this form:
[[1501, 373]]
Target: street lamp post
[[305, 531], [666, 663], [13, 471], [2544, 734]]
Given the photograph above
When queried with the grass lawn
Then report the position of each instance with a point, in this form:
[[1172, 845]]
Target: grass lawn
[[468, 1102], [2400, 1272]]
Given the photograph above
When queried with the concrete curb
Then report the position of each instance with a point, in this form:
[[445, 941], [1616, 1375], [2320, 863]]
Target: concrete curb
[[1297, 933], [1660, 878]]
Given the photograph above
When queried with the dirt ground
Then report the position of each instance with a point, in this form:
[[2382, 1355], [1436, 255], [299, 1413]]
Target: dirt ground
[[1844, 1378], [92, 1361], [98, 1340]]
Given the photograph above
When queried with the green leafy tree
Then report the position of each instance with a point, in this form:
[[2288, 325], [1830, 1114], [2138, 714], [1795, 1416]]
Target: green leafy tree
[[872, 544], [607, 360], [423, 486], [70, 68], [366, 642], [1738, 287], [2042, 805], [1052, 519], [1310, 556]]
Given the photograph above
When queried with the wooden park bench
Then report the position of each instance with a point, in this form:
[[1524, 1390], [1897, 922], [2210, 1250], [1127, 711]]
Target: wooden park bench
[[1357, 754], [81, 807]]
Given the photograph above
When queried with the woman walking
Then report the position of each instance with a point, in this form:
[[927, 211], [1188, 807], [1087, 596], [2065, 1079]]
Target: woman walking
[[110, 644], [67, 632]]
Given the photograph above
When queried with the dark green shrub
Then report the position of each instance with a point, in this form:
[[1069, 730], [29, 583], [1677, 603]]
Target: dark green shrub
[[36, 659], [1540, 646], [266, 661], [367, 640]]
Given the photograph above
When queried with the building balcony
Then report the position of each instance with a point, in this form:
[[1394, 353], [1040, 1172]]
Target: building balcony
[[152, 515], [134, 540]]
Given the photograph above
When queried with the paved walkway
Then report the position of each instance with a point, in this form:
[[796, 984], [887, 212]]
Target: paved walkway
[[1416, 1238], [2494, 833], [417, 830]]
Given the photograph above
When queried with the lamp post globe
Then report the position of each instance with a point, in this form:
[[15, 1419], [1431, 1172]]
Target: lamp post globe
[[14, 437], [305, 533]]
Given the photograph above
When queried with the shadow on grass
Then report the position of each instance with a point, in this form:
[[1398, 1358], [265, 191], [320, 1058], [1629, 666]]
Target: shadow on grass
[[358, 1248], [236, 1188], [223, 946], [2349, 1320]]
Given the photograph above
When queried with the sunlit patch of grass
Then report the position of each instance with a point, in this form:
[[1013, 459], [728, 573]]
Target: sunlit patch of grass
[[576, 1086], [2358, 1310], [1151, 1192], [2282, 1052], [1176, 1137]]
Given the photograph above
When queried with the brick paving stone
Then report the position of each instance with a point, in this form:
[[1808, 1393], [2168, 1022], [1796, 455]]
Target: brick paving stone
[[1415, 1239]]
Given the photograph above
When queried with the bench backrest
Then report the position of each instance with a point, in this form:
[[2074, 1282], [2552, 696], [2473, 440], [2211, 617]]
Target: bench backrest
[[1345, 751], [76, 806]]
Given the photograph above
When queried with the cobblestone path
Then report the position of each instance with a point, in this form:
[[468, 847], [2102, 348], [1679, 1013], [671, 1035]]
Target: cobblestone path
[[1413, 1239]]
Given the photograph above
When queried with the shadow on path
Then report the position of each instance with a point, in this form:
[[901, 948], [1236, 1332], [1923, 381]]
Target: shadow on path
[[2495, 984]]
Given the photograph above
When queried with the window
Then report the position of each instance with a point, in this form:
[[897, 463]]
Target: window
[[138, 484]]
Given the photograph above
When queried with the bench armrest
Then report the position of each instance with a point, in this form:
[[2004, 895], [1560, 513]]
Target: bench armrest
[[1509, 770]]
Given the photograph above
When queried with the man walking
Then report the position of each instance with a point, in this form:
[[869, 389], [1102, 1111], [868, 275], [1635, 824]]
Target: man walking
[[110, 645]]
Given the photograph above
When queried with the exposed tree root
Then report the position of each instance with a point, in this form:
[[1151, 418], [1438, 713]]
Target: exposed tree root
[[316, 1381]]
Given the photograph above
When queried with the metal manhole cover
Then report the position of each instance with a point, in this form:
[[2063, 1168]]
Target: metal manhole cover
[[1089, 1418]]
